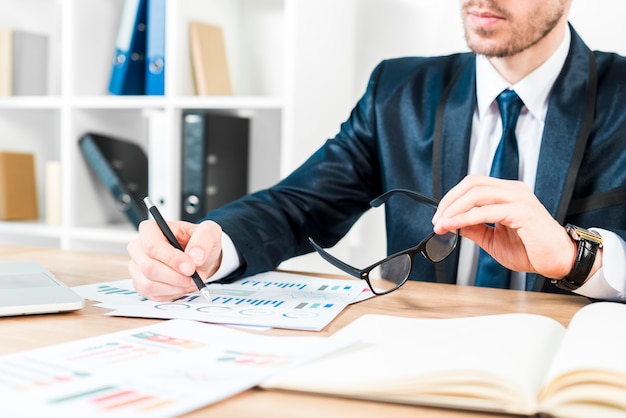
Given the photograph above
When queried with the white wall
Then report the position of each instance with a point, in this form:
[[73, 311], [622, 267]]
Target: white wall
[[601, 23]]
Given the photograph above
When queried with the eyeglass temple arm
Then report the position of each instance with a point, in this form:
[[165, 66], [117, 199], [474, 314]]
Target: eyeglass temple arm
[[346, 268], [409, 193]]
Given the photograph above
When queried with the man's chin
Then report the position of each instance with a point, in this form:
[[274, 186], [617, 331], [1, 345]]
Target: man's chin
[[486, 47]]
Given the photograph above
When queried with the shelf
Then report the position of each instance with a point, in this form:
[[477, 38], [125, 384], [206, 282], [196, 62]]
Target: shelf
[[32, 229], [180, 102], [82, 36], [113, 233], [31, 102]]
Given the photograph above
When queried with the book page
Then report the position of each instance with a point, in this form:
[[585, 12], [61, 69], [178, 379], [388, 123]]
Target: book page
[[494, 362], [589, 368]]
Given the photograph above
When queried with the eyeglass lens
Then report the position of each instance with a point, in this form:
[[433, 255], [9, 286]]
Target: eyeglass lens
[[390, 274], [439, 247]]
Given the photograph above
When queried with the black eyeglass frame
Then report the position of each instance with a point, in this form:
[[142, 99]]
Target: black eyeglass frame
[[421, 248]]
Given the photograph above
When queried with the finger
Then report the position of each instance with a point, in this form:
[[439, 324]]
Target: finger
[[501, 213], [461, 189], [479, 191], [482, 205], [144, 269], [205, 247], [154, 265], [155, 246], [151, 289]]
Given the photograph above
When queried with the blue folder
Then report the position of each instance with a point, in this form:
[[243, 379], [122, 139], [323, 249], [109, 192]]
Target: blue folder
[[128, 70], [155, 48]]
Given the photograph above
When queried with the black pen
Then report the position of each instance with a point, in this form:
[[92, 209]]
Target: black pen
[[174, 242]]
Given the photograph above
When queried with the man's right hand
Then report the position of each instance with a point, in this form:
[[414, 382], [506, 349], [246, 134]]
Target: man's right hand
[[161, 272]]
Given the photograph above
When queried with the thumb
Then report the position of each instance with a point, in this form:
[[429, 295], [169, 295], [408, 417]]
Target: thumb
[[480, 234], [205, 247]]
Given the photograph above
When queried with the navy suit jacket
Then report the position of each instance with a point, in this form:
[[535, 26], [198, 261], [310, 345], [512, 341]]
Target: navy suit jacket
[[411, 130]]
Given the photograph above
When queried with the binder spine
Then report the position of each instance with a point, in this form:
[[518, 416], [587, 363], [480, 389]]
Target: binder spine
[[164, 181], [226, 159], [155, 48], [30, 64], [193, 167], [128, 70], [109, 178]]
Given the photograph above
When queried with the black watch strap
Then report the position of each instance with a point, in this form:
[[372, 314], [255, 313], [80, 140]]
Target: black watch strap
[[587, 243]]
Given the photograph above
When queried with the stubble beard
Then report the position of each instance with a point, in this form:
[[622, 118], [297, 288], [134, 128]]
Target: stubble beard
[[522, 34]]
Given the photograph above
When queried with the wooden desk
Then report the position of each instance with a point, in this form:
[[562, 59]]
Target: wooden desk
[[414, 299]]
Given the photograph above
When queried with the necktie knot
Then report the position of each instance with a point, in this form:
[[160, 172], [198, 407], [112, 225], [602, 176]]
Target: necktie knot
[[510, 106]]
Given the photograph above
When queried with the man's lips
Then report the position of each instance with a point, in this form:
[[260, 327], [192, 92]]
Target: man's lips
[[484, 18]]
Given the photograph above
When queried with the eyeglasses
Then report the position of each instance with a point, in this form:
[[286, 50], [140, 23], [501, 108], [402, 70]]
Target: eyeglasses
[[390, 273]]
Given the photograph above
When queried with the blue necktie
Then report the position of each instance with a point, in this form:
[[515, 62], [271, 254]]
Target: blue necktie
[[505, 165]]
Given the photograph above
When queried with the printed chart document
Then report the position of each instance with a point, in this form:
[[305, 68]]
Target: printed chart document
[[161, 370], [274, 299], [509, 363]]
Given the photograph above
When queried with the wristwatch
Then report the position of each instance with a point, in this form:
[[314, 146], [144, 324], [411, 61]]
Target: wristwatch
[[587, 244]]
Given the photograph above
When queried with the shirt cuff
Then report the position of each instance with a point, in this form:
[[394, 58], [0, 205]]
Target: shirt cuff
[[609, 282], [230, 259]]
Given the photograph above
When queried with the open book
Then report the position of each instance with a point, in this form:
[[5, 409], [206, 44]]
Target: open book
[[510, 363]]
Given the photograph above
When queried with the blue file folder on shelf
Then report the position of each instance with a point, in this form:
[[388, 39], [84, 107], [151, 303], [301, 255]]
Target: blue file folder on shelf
[[128, 69], [155, 48]]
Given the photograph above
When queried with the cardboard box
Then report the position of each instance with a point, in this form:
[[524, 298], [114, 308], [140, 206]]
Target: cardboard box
[[18, 189]]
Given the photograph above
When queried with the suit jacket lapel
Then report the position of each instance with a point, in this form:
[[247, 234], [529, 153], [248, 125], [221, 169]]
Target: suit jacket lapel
[[451, 145], [565, 115], [456, 127], [564, 120]]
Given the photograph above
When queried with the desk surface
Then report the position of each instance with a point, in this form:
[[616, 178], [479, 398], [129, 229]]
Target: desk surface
[[414, 299]]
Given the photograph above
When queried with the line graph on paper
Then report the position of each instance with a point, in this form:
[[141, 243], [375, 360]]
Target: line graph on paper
[[273, 299]]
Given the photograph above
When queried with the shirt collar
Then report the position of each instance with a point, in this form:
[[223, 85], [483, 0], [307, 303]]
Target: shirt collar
[[534, 89]]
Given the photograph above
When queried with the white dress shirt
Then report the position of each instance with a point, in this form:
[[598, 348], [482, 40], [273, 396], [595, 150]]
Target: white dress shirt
[[609, 282]]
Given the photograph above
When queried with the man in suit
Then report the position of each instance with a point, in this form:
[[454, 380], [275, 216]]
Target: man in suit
[[432, 125]]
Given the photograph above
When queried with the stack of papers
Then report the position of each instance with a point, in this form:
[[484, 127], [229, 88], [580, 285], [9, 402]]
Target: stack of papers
[[273, 299], [161, 370]]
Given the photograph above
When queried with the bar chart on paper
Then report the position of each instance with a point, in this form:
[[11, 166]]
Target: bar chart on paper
[[274, 299], [161, 370], [72, 377]]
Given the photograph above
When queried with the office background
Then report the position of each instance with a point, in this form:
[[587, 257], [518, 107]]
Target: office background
[[297, 68]]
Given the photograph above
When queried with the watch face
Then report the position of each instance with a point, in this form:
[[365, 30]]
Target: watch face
[[578, 233], [587, 243]]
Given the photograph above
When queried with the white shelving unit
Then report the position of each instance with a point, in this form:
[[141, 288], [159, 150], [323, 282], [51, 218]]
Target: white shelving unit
[[298, 67], [81, 37]]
